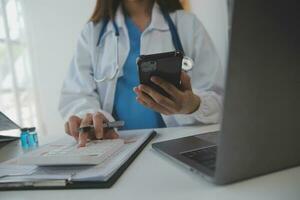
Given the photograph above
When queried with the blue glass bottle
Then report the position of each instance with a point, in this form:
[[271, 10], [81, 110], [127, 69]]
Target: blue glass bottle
[[24, 138], [32, 138]]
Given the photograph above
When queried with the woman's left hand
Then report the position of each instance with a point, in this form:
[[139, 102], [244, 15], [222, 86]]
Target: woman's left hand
[[181, 101]]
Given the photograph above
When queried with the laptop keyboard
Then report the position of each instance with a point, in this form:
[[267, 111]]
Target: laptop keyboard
[[205, 156]]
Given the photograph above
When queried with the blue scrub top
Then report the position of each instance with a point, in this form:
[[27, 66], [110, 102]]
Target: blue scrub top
[[126, 108]]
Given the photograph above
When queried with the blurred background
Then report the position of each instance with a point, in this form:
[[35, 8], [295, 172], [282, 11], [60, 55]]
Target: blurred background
[[37, 40]]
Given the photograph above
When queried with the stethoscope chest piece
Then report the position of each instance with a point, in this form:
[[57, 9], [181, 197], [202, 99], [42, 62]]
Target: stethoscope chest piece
[[187, 63]]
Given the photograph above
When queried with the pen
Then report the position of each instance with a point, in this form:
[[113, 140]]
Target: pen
[[107, 125]]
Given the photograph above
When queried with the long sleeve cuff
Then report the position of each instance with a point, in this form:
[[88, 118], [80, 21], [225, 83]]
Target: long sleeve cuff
[[210, 109], [208, 112]]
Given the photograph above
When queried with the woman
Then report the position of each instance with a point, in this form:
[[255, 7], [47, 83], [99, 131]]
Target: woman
[[118, 32]]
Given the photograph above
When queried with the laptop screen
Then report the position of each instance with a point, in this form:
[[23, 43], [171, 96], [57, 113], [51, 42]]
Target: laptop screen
[[8, 127]]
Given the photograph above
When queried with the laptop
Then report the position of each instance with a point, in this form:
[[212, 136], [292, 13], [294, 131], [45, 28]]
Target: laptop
[[9, 130], [260, 130]]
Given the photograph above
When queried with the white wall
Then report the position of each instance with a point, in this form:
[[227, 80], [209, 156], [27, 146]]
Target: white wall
[[213, 14], [53, 27]]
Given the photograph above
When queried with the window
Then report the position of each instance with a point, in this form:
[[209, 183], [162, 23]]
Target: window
[[17, 98]]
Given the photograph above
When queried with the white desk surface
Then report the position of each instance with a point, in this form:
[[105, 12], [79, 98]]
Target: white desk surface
[[154, 177]]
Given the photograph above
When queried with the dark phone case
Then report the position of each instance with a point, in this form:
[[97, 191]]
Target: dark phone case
[[164, 65]]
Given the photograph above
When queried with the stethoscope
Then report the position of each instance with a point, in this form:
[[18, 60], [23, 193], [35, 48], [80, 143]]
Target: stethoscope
[[187, 63]]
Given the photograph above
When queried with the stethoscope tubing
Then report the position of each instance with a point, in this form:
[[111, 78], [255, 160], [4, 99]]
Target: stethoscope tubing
[[187, 62], [117, 69]]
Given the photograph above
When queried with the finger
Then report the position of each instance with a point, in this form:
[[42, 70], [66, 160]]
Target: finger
[[111, 134], [98, 119], [185, 81], [83, 136], [148, 102], [74, 124], [67, 129], [159, 99], [166, 86], [83, 139]]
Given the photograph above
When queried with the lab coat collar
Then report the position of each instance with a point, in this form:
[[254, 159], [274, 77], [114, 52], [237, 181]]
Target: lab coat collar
[[120, 21], [119, 18], [158, 21]]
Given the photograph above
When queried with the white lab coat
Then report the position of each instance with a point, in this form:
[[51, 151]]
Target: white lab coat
[[81, 94]]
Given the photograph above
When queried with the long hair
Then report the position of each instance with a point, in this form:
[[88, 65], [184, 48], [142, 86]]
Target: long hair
[[108, 8]]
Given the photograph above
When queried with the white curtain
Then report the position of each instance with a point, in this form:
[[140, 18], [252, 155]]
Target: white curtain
[[17, 96]]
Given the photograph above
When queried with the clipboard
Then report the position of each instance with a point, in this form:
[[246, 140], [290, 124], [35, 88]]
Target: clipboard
[[69, 184]]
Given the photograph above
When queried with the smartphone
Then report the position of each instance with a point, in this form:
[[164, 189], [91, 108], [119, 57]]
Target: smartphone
[[167, 66]]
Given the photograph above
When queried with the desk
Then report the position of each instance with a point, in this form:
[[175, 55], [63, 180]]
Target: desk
[[154, 177]]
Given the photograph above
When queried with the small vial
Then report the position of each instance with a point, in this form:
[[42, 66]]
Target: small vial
[[33, 140], [24, 138], [36, 138]]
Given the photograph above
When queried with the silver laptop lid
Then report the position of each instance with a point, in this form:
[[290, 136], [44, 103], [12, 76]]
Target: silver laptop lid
[[260, 127]]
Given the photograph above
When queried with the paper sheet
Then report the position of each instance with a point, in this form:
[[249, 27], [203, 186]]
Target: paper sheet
[[15, 170], [102, 172]]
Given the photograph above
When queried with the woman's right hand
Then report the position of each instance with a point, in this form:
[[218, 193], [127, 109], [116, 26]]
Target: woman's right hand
[[97, 119]]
